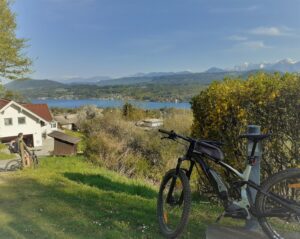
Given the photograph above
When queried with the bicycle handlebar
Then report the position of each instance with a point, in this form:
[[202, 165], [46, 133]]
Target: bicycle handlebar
[[166, 131], [173, 135]]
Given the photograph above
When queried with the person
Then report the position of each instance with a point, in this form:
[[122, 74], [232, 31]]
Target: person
[[24, 151]]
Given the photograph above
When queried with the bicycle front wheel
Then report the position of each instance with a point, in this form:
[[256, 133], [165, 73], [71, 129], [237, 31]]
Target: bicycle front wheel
[[35, 161], [173, 204], [280, 222]]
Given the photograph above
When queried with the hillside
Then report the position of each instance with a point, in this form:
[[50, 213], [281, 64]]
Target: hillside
[[22, 85], [202, 78], [69, 198], [182, 86]]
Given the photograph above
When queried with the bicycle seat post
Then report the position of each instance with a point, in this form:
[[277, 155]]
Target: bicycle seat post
[[254, 151], [251, 157]]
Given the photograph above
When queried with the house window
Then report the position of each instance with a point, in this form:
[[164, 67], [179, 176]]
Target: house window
[[53, 125], [8, 121], [21, 120]]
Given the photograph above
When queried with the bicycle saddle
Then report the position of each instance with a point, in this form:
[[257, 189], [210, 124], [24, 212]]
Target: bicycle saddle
[[255, 137]]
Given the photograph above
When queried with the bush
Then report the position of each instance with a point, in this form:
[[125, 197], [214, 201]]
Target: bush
[[224, 109], [117, 143]]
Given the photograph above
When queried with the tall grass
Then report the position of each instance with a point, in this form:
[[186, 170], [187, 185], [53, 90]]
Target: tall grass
[[115, 142]]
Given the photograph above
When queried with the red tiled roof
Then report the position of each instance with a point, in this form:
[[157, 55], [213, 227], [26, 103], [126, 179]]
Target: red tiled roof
[[41, 110], [3, 103]]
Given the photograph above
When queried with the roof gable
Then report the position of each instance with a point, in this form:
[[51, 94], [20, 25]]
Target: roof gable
[[64, 137], [3, 103], [41, 110]]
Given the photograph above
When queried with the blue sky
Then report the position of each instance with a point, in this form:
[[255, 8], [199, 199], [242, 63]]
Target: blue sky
[[70, 38]]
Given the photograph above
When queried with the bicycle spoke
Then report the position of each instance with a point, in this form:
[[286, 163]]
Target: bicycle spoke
[[283, 221]]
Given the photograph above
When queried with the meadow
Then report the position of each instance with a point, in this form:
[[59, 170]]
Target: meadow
[[71, 198]]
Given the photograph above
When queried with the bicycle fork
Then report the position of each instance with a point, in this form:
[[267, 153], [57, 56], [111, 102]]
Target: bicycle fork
[[173, 183]]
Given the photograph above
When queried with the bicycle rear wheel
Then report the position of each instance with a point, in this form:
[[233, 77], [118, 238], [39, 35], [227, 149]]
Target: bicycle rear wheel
[[285, 184], [173, 207], [13, 165]]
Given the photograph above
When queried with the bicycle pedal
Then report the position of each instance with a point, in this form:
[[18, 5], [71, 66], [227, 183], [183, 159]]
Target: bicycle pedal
[[238, 214], [220, 217]]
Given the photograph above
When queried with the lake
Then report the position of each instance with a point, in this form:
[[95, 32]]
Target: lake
[[104, 103]]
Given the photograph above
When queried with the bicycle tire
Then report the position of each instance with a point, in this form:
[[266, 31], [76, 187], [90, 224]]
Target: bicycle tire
[[261, 203], [13, 165], [35, 161], [165, 230]]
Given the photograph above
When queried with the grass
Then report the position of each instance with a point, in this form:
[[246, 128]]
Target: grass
[[4, 156], [70, 198]]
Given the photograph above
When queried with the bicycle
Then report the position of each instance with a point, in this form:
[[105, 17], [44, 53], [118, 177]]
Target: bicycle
[[34, 157], [17, 164], [276, 206]]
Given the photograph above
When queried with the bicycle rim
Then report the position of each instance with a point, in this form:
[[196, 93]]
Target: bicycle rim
[[13, 165], [287, 227]]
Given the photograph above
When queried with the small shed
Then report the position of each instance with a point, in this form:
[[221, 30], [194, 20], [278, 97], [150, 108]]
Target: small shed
[[64, 144]]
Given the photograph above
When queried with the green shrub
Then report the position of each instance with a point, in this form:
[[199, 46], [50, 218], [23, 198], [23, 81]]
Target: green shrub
[[118, 144], [224, 109]]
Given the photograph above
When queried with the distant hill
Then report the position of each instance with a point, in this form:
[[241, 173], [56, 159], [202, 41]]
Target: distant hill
[[81, 80], [175, 87], [214, 70], [33, 84], [156, 74], [202, 78]]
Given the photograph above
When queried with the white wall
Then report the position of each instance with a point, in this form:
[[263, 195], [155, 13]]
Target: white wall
[[32, 125], [47, 129]]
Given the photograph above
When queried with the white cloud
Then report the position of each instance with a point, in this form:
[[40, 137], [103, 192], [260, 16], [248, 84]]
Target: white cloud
[[252, 45], [266, 31], [272, 31]]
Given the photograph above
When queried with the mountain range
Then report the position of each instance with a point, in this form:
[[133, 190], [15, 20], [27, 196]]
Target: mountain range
[[285, 65], [182, 77]]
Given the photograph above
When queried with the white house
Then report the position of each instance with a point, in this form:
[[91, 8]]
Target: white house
[[33, 120], [67, 121]]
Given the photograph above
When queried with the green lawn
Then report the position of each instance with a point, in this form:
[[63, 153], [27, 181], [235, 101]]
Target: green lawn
[[4, 156], [70, 198]]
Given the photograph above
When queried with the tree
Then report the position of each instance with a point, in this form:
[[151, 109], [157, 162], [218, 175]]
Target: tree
[[127, 110], [14, 64]]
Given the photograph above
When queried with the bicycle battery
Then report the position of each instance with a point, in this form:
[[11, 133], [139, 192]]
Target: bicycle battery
[[219, 185]]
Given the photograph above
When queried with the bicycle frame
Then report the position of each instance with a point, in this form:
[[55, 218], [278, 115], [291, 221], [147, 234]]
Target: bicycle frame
[[196, 157]]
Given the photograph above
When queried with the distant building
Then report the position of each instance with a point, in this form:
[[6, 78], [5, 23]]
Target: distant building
[[64, 144], [67, 121], [152, 123], [35, 121]]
